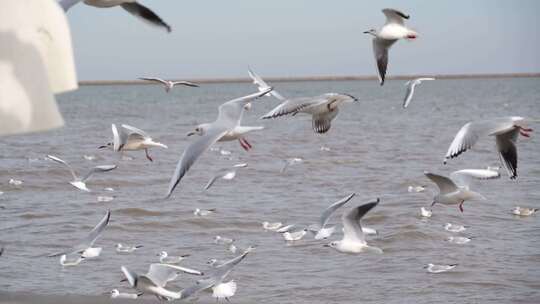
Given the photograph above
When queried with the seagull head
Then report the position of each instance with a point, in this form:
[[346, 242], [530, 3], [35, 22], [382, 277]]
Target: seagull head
[[199, 130], [108, 145], [333, 244], [162, 254], [371, 32], [114, 293], [349, 98]]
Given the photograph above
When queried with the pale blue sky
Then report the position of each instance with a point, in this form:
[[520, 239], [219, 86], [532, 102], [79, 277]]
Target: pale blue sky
[[217, 38]]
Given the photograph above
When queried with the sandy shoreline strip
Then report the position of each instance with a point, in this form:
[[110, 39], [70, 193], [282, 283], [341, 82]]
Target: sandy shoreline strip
[[319, 78]]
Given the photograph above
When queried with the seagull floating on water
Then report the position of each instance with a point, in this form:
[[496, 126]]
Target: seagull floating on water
[[320, 229], [165, 258], [292, 236], [120, 248], [131, 6], [131, 139], [458, 240], [71, 262], [454, 228], [225, 128], [354, 240], [432, 268], [323, 108], [412, 189], [115, 294], [521, 211], [393, 30], [15, 182], [168, 84], [84, 248], [455, 190], [505, 130], [271, 226], [411, 84], [222, 240], [203, 212], [425, 213]]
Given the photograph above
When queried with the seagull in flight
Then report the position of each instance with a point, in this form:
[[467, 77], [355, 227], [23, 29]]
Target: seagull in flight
[[354, 240], [322, 231], [84, 248], [155, 280], [225, 128], [506, 131], [80, 182], [131, 6], [393, 30], [411, 84], [216, 279], [323, 108], [455, 190], [129, 138], [169, 84]]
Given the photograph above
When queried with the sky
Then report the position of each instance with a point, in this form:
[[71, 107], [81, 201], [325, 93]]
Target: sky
[[294, 38]]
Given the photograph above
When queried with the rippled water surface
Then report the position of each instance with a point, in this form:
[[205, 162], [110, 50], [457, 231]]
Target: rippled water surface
[[376, 149]]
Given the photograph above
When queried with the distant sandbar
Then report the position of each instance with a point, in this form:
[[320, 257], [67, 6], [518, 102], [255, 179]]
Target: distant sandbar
[[319, 78]]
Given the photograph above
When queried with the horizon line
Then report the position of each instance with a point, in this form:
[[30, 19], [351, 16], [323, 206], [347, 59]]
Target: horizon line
[[318, 78]]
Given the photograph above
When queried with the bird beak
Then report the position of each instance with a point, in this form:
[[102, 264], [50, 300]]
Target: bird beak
[[190, 133], [326, 245], [366, 32], [102, 147], [123, 280]]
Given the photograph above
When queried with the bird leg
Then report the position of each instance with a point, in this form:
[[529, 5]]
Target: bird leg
[[148, 156], [525, 131], [461, 206], [244, 143], [226, 298]]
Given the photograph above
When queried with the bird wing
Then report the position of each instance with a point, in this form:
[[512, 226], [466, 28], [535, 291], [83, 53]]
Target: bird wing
[[102, 168], [130, 276], [154, 79], [119, 138], [145, 13], [394, 16], [293, 106], [463, 177], [409, 94], [186, 83], [352, 230], [161, 274], [322, 122], [380, 50], [89, 240], [445, 184], [506, 146], [468, 134], [411, 84], [196, 288], [58, 160], [325, 216], [263, 85], [192, 153], [132, 130], [230, 113], [67, 4], [212, 181]]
